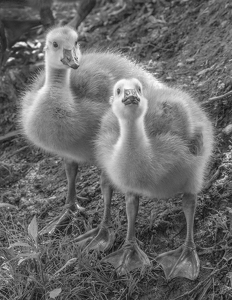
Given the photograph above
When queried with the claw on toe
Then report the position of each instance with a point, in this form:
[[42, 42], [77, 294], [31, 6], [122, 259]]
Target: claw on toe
[[182, 262], [78, 206], [100, 238], [128, 258]]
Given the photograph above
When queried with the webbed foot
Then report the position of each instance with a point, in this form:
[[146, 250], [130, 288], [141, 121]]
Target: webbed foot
[[62, 221], [101, 238], [128, 258], [182, 262]]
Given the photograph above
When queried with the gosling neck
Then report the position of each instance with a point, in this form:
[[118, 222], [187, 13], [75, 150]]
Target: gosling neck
[[57, 77], [132, 132]]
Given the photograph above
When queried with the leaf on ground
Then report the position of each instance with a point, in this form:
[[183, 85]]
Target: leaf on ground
[[68, 263], [7, 253], [33, 229], [19, 244], [53, 294], [7, 205], [26, 256], [229, 209], [9, 135], [230, 276]]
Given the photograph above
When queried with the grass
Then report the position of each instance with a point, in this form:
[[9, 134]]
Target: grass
[[38, 267]]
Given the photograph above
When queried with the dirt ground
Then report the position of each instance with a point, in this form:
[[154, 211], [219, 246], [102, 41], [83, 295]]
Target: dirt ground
[[184, 43]]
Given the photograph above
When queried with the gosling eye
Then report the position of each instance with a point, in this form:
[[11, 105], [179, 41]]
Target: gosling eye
[[76, 43], [55, 45], [139, 89], [118, 91]]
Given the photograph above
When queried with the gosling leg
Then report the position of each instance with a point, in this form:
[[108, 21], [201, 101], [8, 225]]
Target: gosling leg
[[130, 256], [61, 221], [184, 261], [71, 169], [102, 237]]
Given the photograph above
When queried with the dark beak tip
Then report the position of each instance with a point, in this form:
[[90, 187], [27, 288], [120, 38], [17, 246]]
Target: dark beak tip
[[75, 66], [131, 100]]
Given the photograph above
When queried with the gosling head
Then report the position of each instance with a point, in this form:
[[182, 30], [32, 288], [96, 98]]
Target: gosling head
[[62, 49], [128, 100]]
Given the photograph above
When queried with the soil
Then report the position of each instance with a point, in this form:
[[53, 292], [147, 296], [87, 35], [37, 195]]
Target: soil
[[184, 43]]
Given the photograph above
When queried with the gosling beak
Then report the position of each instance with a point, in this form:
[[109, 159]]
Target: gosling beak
[[130, 97], [70, 58]]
